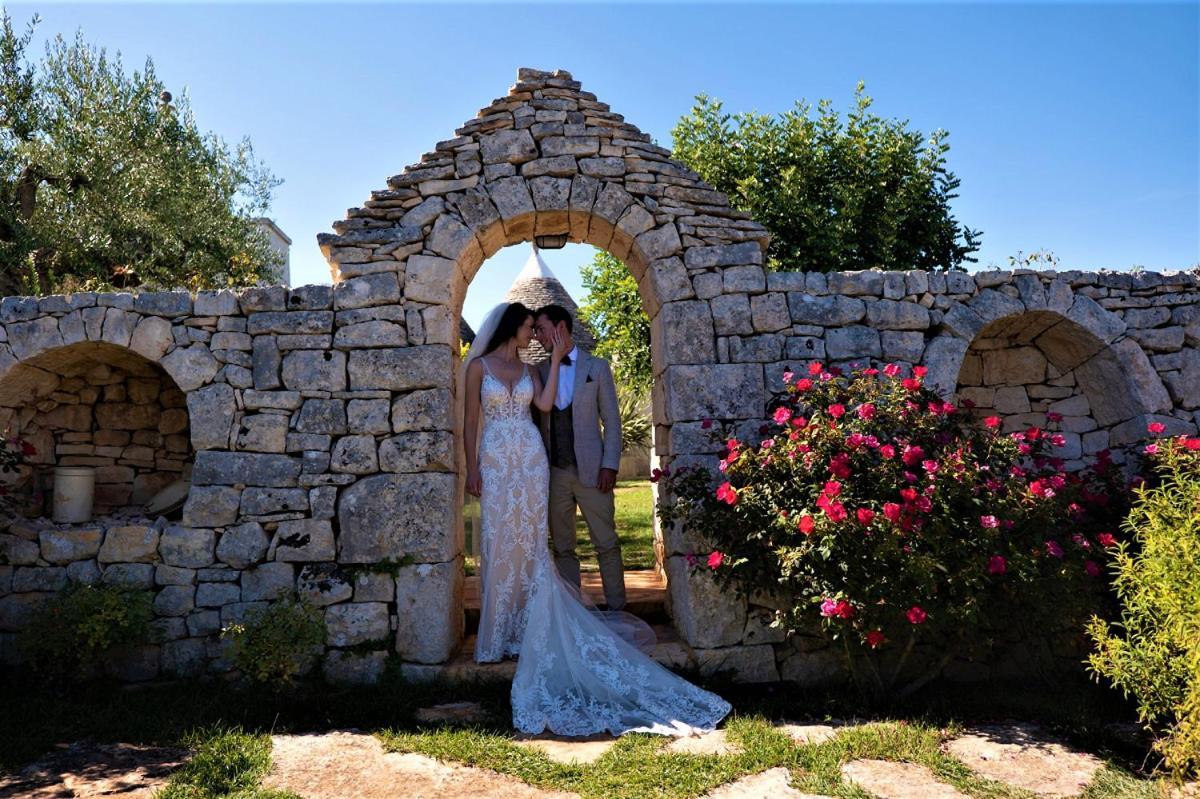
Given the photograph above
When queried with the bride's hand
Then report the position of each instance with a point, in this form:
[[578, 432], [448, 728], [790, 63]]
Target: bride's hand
[[474, 483], [560, 346]]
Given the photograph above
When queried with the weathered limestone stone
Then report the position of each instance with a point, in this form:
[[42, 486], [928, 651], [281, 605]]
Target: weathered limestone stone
[[991, 305], [354, 455], [1122, 364], [268, 581], [902, 346], [1014, 366], [422, 410], [429, 278], [373, 333], [118, 326], [374, 587], [211, 506], [769, 312], [322, 584], [304, 540], [429, 606], [190, 367], [417, 452], [133, 575], [1011, 399], [868, 283], [389, 516], [379, 288], [232, 468], [18, 610], [314, 369], [28, 339], [774, 782], [944, 358], [686, 329], [344, 667], [262, 432], [266, 362], [746, 279], [65, 546], [368, 416], [190, 547], [403, 369], [185, 658], [356, 623], [175, 600], [891, 315], [152, 338], [243, 546], [731, 316], [38, 578], [704, 615], [217, 595], [215, 303], [716, 391], [322, 416], [722, 255], [173, 575], [745, 663], [137, 544], [830, 311], [661, 242], [853, 341], [1088, 314], [507, 146]]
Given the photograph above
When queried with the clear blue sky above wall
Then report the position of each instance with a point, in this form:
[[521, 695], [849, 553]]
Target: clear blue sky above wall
[[1074, 127]]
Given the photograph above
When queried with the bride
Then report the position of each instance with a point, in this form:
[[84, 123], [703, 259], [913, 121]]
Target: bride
[[580, 670]]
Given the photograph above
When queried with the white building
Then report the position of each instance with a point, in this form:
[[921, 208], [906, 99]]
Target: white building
[[279, 242]]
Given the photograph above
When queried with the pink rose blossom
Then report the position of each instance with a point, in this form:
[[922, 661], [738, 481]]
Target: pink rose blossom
[[874, 638], [837, 410], [1091, 568], [989, 522], [993, 422], [1156, 427], [915, 615], [782, 415], [997, 564], [1053, 549], [727, 494], [715, 560], [806, 524]]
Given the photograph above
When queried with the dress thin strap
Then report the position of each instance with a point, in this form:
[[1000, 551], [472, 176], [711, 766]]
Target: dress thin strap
[[483, 361]]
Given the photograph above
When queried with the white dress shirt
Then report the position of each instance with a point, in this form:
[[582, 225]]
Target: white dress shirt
[[565, 391]]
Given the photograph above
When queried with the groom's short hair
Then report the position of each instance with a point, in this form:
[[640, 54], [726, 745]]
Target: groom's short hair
[[556, 314]]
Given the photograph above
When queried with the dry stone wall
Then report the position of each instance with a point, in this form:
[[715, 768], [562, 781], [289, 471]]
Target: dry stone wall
[[326, 451]]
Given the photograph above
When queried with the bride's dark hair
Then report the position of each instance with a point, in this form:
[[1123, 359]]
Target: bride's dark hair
[[510, 322]]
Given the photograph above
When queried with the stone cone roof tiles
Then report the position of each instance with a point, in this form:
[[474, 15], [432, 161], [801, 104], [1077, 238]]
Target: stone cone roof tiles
[[536, 286]]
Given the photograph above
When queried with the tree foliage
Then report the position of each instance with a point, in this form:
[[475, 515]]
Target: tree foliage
[[860, 193], [105, 182], [613, 310]]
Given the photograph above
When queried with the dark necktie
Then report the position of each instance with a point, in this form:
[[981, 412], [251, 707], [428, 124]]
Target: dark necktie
[[566, 360]]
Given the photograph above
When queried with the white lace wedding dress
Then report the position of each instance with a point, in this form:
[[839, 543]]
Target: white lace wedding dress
[[577, 673]]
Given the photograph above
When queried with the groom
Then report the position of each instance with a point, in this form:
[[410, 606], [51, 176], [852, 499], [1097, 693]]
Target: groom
[[583, 463]]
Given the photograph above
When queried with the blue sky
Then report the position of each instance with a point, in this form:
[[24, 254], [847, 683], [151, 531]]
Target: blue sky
[[1074, 127]]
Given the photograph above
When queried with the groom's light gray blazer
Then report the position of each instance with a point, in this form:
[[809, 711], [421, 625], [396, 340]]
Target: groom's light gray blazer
[[594, 401]]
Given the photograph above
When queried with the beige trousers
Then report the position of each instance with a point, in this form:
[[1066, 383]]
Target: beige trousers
[[599, 511]]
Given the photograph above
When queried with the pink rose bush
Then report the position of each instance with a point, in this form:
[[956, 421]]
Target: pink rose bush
[[884, 514]]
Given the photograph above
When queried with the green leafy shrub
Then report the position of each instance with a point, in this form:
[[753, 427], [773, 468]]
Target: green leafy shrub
[[1153, 652], [890, 518], [275, 645], [71, 631]]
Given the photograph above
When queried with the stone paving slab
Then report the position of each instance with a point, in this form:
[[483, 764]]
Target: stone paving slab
[[773, 783], [710, 743], [337, 765], [1027, 757], [83, 770], [809, 733], [890, 780], [569, 750]]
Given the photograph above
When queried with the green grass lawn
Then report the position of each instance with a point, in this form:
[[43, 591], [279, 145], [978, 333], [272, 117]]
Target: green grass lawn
[[635, 529]]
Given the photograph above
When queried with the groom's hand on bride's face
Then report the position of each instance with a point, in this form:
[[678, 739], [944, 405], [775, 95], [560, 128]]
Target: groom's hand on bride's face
[[606, 481]]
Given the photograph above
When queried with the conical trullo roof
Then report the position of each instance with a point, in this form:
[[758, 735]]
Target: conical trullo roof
[[536, 286]]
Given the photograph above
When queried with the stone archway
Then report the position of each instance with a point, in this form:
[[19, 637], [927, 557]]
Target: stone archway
[[548, 159], [1062, 342]]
